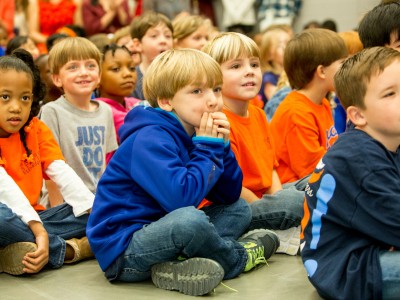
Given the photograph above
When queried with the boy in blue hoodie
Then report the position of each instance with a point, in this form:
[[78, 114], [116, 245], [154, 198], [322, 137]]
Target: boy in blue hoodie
[[172, 156], [352, 212]]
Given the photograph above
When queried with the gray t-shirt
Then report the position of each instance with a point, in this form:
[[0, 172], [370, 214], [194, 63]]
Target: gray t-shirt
[[84, 137]]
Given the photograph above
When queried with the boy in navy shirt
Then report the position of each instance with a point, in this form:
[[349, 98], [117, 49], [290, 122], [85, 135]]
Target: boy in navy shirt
[[351, 222]]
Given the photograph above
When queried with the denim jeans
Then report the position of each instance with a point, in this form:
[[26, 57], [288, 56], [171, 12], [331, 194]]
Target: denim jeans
[[59, 222], [210, 233], [390, 265], [281, 210]]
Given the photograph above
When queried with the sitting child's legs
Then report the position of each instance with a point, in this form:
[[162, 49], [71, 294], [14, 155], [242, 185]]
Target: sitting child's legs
[[280, 211], [390, 265], [59, 222], [230, 221]]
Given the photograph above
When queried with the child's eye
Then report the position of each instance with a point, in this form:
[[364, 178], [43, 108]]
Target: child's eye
[[132, 69], [72, 67], [235, 66], [217, 89], [26, 98], [4, 97], [92, 66], [196, 91], [388, 94], [255, 65], [116, 69]]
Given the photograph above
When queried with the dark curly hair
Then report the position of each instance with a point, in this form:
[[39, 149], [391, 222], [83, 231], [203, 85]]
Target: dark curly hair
[[21, 60]]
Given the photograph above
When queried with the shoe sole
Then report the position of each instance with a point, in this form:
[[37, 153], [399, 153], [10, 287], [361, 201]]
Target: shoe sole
[[268, 237], [11, 257], [289, 240], [194, 276]]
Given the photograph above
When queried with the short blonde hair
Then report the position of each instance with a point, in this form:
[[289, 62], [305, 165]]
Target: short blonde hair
[[176, 68], [120, 33], [72, 48], [353, 77], [186, 25], [270, 43], [230, 45]]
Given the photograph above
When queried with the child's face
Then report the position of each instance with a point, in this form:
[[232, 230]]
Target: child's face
[[118, 77], [242, 78], [157, 39], [128, 43], [15, 101], [30, 46], [382, 102], [78, 77], [190, 102], [279, 48], [3, 37], [196, 40]]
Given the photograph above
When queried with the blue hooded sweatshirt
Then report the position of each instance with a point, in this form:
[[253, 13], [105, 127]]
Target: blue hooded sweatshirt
[[157, 169]]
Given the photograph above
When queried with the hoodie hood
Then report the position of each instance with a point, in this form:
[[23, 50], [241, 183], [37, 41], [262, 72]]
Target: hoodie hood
[[142, 116]]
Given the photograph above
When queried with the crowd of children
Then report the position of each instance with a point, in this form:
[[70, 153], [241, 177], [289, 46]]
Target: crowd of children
[[149, 155]]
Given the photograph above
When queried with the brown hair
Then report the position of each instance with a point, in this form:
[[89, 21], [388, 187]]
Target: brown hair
[[351, 81], [141, 24], [308, 50]]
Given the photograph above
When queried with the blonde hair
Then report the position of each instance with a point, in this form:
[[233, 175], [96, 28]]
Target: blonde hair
[[269, 44], [187, 24], [120, 33], [353, 77], [229, 45], [176, 68], [72, 48]]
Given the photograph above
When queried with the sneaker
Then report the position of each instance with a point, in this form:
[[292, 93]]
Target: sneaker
[[289, 240], [81, 249], [194, 276], [260, 244], [12, 255]]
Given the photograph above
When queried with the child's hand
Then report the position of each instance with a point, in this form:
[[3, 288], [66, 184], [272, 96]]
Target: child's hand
[[35, 261], [207, 126], [224, 128]]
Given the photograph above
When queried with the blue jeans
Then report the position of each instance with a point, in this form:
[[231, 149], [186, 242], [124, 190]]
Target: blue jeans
[[210, 233], [59, 222], [281, 210], [390, 265]]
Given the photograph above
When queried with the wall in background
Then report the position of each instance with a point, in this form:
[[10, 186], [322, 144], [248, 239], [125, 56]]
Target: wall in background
[[346, 13]]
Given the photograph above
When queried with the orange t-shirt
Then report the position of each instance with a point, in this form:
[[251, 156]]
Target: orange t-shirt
[[28, 172], [252, 144], [302, 133]]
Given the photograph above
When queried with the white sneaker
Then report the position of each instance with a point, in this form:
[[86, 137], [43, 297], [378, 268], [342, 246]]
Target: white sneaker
[[289, 240]]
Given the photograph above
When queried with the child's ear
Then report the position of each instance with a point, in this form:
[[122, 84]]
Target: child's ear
[[320, 71], [56, 80], [137, 45], [165, 104], [356, 116]]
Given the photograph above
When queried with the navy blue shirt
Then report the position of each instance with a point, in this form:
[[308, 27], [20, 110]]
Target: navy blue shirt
[[352, 212]]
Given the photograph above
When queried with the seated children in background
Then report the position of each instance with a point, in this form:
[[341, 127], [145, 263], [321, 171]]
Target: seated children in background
[[122, 37], [152, 34], [172, 156], [83, 128], [273, 44], [251, 141], [31, 237], [282, 90], [302, 127], [352, 212], [191, 31], [52, 92]]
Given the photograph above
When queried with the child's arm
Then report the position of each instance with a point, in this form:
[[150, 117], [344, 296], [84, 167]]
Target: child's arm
[[248, 195], [55, 197], [35, 261], [276, 183], [14, 198], [71, 186]]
